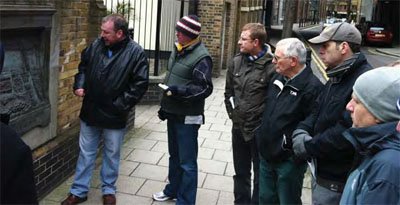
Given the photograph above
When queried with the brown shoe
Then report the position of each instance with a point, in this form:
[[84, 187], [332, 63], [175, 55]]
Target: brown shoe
[[72, 200], [109, 199]]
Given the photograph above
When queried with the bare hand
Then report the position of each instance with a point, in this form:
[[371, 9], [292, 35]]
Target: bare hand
[[80, 92]]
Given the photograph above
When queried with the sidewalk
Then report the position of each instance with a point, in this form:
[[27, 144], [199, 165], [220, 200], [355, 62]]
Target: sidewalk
[[144, 159], [394, 51]]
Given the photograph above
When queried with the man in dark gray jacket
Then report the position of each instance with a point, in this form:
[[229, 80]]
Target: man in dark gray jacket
[[245, 90], [291, 94], [319, 135], [112, 78]]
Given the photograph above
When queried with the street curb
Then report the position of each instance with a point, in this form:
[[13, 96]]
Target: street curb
[[387, 53]]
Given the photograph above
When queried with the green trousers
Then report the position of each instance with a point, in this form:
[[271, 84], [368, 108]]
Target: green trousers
[[281, 182]]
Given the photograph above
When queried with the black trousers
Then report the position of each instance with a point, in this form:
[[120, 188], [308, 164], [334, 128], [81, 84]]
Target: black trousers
[[244, 153]]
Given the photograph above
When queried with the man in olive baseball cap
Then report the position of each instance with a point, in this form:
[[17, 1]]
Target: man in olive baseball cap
[[338, 32], [319, 135]]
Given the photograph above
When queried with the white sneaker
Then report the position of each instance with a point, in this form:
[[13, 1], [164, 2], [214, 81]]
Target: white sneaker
[[160, 196]]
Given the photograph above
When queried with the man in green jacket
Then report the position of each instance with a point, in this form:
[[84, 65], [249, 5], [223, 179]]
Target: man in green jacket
[[245, 90], [189, 83]]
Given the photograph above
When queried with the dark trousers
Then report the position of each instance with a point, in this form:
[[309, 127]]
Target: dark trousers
[[244, 153], [281, 182], [182, 173]]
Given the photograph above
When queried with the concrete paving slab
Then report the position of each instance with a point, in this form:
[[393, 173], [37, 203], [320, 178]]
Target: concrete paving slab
[[126, 167], [205, 126], [58, 194], [210, 166], [226, 136], [124, 199], [164, 160], [161, 147], [206, 196], [217, 144], [129, 185], [149, 157], [217, 182], [222, 115], [138, 133], [125, 151], [208, 113], [209, 134], [205, 153], [215, 120], [148, 171], [155, 127], [225, 198], [160, 136], [223, 156], [150, 187], [221, 128], [230, 170], [201, 178], [140, 143]]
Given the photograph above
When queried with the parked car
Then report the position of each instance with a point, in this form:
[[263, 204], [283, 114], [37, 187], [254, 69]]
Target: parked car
[[378, 33], [331, 21]]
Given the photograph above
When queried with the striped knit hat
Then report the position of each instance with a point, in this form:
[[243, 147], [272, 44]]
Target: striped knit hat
[[189, 25]]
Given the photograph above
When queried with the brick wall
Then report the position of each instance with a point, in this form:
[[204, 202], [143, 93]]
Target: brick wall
[[210, 15], [55, 160]]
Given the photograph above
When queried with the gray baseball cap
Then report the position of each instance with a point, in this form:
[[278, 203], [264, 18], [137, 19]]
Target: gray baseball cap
[[338, 32]]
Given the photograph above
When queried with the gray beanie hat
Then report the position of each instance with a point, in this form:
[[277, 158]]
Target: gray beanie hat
[[378, 90]]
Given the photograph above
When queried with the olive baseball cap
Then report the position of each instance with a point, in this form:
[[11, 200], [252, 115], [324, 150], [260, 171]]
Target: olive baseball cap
[[338, 32]]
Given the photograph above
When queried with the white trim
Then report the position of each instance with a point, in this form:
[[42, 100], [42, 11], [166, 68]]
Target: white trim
[[192, 21], [187, 28], [244, 8]]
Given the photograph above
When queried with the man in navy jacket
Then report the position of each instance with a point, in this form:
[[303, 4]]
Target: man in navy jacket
[[291, 94]]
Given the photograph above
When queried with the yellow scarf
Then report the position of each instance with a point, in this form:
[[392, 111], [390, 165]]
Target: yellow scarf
[[180, 47]]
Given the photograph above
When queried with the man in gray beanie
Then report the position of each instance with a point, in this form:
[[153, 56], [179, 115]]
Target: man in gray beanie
[[376, 180]]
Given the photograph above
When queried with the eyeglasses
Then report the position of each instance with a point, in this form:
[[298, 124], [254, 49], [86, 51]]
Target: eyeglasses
[[245, 39], [277, 58]]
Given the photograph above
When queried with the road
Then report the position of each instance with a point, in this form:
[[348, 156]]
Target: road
[[375, 58]]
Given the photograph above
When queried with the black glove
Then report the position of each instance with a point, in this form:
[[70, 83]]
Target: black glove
[[161, 115], [299, 138]]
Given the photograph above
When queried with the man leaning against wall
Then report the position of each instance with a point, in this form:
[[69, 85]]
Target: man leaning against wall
[[112, 78]]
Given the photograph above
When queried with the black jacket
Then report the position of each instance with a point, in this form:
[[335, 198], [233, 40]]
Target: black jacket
[[287, 104], [113, 85], [329, 119], [16, 169]]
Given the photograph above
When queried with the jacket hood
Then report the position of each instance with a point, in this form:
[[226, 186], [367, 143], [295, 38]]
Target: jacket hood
[[372, 139]]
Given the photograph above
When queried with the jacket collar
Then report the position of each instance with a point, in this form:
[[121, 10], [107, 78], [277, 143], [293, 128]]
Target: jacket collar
[[337, 73], [267, 57], [188, 48], [300, 80], [372, 139]]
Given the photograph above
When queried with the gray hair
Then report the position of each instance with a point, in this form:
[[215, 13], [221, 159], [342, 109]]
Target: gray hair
[[293, 47]]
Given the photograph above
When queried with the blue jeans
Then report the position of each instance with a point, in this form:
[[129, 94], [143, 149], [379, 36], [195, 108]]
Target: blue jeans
[[182, 173], [89, 139]]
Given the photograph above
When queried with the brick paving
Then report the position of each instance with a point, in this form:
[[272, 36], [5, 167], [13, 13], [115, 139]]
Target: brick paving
[[144, 159]]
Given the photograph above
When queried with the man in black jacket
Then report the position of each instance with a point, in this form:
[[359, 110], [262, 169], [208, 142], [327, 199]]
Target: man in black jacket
[[291, 94], [112, 78], [319, 135]]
